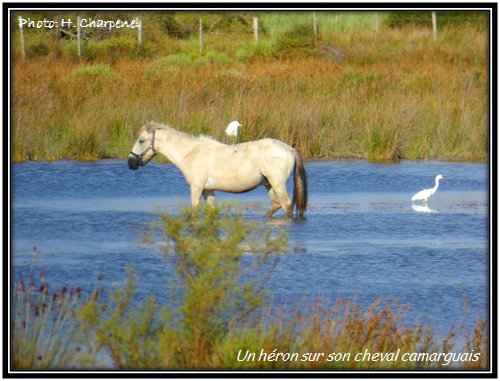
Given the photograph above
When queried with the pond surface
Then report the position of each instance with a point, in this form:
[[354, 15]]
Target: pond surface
[[361, 237]]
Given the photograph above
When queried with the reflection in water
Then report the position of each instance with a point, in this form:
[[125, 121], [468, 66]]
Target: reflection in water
[[423, 209]]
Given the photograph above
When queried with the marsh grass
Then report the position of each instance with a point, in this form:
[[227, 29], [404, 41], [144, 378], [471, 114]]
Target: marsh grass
[[42, 324], [94, 71], [351, 93]]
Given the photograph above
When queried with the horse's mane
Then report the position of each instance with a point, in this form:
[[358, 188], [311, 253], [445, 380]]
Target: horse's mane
[[207, 138], [153, 126]]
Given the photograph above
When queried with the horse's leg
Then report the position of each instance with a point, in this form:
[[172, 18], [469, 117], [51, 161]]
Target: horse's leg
[[284, 200], [195, 199], [209, 197], [275, 203]]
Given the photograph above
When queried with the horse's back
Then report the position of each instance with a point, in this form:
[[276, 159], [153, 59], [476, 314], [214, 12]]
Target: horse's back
[[268, 147]]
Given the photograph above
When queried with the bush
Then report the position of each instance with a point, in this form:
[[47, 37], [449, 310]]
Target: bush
[[242, 55], [215, 57], [213, 293], [208, 255]]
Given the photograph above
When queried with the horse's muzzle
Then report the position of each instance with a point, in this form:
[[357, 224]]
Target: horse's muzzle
[[134, 162]]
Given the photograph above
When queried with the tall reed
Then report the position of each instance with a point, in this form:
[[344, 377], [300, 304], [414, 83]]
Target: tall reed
[[42, 325]]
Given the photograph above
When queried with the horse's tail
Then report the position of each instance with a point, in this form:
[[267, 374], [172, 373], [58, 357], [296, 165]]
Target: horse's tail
[[299, 185]]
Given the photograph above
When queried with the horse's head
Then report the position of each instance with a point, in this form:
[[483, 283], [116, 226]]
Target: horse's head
[[144, 148]]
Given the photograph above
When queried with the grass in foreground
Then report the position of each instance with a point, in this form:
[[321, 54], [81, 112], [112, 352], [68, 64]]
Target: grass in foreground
[[217, 319], [42, 329]]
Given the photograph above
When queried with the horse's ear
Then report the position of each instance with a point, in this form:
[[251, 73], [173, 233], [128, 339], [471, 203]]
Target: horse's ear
[[149, 126]]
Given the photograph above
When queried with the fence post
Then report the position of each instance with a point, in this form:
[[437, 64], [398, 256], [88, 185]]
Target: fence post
[[256, 28], [139, 33], [201, 37], [79, 35], [434, 26], [376, 23], [21, 34]]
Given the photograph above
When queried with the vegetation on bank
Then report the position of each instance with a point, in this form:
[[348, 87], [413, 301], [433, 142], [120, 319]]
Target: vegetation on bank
[[218, 315], [348, 92]]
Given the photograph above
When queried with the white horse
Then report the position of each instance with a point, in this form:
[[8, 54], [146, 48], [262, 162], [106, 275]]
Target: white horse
[[209, 165]]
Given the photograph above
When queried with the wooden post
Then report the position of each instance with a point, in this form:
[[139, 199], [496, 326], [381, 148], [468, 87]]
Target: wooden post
[[21, 33], [79, 35], [139, 33], [376, 23], [256, 28], [201, 37], [315, 27], [434, 26]]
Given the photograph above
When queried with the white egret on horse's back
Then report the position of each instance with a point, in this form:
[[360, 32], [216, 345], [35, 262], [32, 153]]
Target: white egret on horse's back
[[232, 128], [426, 193], [209, 165]]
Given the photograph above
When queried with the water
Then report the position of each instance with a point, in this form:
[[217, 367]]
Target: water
[[361, 237]]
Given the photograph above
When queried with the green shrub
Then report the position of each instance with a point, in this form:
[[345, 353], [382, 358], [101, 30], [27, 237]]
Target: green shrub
[[208, 255], [212, 293], [265, 48], [242, 55], [215, 57]]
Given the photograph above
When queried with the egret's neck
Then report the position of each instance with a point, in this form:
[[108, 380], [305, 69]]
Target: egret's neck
[[435, 186]]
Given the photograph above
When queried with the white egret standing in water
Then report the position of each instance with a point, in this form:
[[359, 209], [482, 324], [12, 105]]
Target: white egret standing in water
[[232, 129], [426, 193]]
